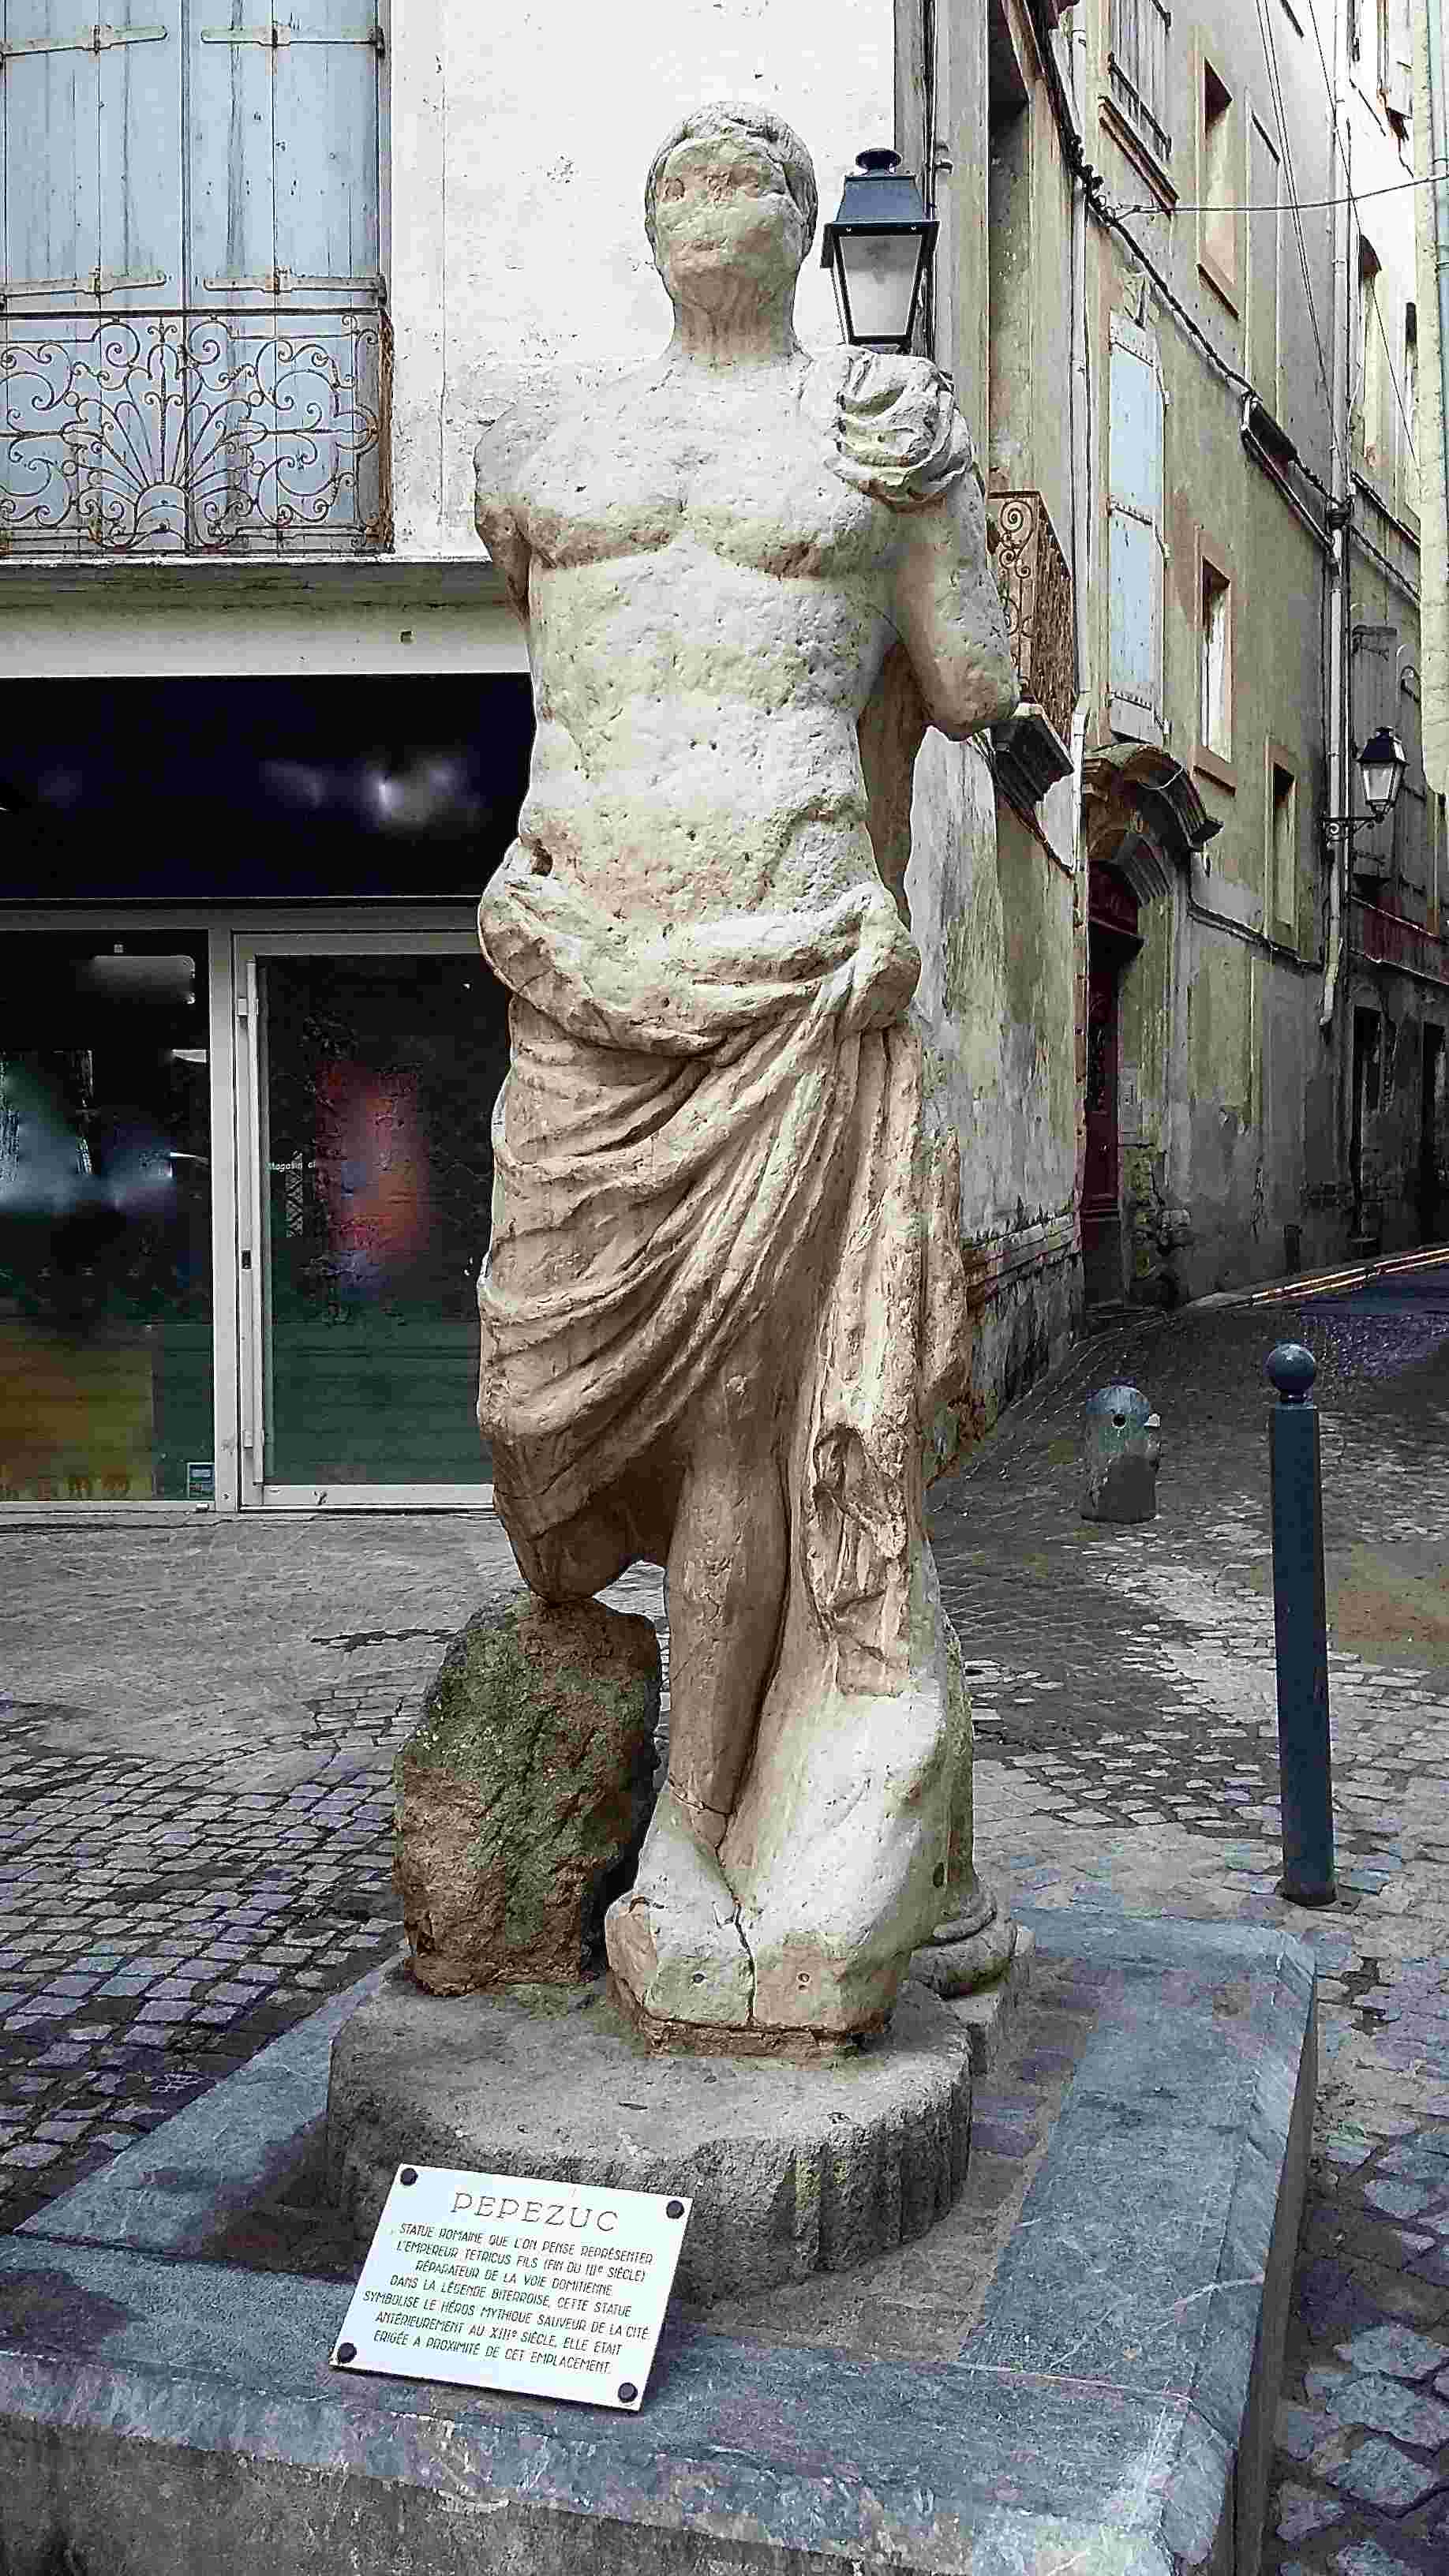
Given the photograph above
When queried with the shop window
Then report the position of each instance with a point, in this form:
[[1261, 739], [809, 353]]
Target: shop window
[[105, 1221], [1215, 655]]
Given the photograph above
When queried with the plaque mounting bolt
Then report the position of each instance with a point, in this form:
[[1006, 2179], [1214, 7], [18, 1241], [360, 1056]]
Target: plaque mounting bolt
[[674, 2209], [408, 2174], [347, 2352], [627, 2392]]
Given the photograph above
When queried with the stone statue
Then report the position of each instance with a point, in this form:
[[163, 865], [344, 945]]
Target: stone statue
[[723, 1300]]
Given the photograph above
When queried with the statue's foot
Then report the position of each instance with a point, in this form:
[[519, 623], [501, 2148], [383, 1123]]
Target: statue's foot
[[674, 1942]]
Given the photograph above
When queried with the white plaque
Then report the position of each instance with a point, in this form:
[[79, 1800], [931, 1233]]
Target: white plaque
[[505, 2281]]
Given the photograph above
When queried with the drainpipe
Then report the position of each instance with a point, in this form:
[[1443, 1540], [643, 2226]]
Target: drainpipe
[[1332, 1012], [1081, 464], [1431, 156]]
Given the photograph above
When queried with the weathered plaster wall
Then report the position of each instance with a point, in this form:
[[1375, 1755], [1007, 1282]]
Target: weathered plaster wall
[[1222, 1068], [520, 146], [997, 997]]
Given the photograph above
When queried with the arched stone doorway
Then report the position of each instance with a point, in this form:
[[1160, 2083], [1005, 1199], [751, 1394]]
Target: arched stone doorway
[[1142, 821], [1113, 941]]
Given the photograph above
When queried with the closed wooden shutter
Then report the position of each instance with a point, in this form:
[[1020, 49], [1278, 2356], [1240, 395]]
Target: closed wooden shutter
[[282, 146], [1412, 845], [1135, 552], [194, 335], [1398, 66]]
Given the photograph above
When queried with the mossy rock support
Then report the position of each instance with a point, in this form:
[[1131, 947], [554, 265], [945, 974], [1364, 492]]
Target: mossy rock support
[[522, 1797]]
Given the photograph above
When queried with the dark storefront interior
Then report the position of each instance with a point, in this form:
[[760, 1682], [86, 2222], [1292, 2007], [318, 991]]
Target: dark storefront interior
[[375, 1079]]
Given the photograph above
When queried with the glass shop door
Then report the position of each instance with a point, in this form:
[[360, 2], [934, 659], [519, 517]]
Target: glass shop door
[[367, 1069]]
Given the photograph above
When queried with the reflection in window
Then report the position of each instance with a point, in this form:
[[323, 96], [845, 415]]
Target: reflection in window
[[105, 1223]]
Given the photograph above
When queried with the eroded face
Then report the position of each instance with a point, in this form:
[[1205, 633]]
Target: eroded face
[[723, 212]]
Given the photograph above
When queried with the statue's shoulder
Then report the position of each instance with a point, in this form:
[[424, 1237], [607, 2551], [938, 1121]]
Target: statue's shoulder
[[521, 422], [893, 426], [560, 402]]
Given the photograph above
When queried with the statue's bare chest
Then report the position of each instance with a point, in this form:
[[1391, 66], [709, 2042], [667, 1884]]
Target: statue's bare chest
[[750, 488]]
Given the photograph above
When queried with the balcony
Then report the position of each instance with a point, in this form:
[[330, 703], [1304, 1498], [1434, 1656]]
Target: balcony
[[1387, 939], [224, 433], [1036, 594]]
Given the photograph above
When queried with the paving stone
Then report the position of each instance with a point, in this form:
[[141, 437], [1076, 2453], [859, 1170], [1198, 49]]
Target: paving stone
[[1395, 2350], [1385, 2477], [1304, 2510], [1400, 2200], [1384, 2405], [1366, 2558], [1299, 2431]]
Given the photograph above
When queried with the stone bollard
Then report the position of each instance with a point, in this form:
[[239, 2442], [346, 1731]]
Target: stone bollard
[[1300, 1629], [1121, 1453]]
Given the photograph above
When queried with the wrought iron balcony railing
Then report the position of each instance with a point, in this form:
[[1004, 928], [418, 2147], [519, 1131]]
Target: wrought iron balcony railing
[[1036, 592], [1387, 939], [234, 432]]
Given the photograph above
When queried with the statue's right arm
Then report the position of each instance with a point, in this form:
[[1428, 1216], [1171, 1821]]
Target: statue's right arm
[[498, 460]]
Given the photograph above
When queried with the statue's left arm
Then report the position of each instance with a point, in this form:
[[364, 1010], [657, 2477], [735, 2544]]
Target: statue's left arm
[[898, 435], [948, 614]]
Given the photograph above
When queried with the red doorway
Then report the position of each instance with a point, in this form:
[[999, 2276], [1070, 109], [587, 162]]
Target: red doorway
[[1113, 941]]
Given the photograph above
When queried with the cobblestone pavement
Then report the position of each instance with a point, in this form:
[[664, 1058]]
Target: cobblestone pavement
[[194, 1816], [1127, 1758]]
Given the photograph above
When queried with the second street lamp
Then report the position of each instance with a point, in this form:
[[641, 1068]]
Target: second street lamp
[[1381, 765]]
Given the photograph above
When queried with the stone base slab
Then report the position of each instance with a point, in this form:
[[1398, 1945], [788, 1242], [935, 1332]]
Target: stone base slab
[[1105, 2405], [793, 2169]]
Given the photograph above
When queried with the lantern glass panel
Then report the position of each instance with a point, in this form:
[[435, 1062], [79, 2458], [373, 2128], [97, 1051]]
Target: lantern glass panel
[[1382, 767], [879, 273]]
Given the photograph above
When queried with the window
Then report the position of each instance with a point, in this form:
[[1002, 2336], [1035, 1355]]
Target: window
[[1409, 426], [1396, 62], [1282, 903], [1217, 223], [1137, 69], [1216, 643], [1369, 358], [1265, 195], [195, 323], [1135, 552]]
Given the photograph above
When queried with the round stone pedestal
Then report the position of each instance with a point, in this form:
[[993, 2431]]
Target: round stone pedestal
[[793, 2168]]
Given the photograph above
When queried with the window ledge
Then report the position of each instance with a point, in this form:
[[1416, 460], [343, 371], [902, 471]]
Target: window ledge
[[1224, 285], [1139, 153], [1212, 765], [186, 581]]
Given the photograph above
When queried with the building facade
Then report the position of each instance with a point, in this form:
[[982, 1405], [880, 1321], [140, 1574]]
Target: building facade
[[269, 715], [266, 284]]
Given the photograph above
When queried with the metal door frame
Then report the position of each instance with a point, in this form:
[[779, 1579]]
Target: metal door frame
[[241, 1230]]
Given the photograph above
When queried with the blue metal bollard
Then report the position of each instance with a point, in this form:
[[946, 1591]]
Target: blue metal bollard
[[1300, 1624]]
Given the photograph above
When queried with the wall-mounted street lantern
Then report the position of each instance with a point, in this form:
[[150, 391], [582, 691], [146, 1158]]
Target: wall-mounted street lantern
[[878, 251], [1381, 766]]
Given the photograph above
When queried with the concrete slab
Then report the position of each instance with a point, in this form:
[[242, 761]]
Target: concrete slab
[[1103, 2401]]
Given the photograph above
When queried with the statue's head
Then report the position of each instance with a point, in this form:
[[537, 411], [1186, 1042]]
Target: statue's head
[[730, 191]]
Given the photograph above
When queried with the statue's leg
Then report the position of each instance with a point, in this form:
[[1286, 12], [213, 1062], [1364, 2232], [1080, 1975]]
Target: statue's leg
[[727, 1569], [673, 1941]]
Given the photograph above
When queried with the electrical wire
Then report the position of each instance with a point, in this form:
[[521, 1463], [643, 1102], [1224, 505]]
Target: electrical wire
[[1267, 205], [1110, 218]]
